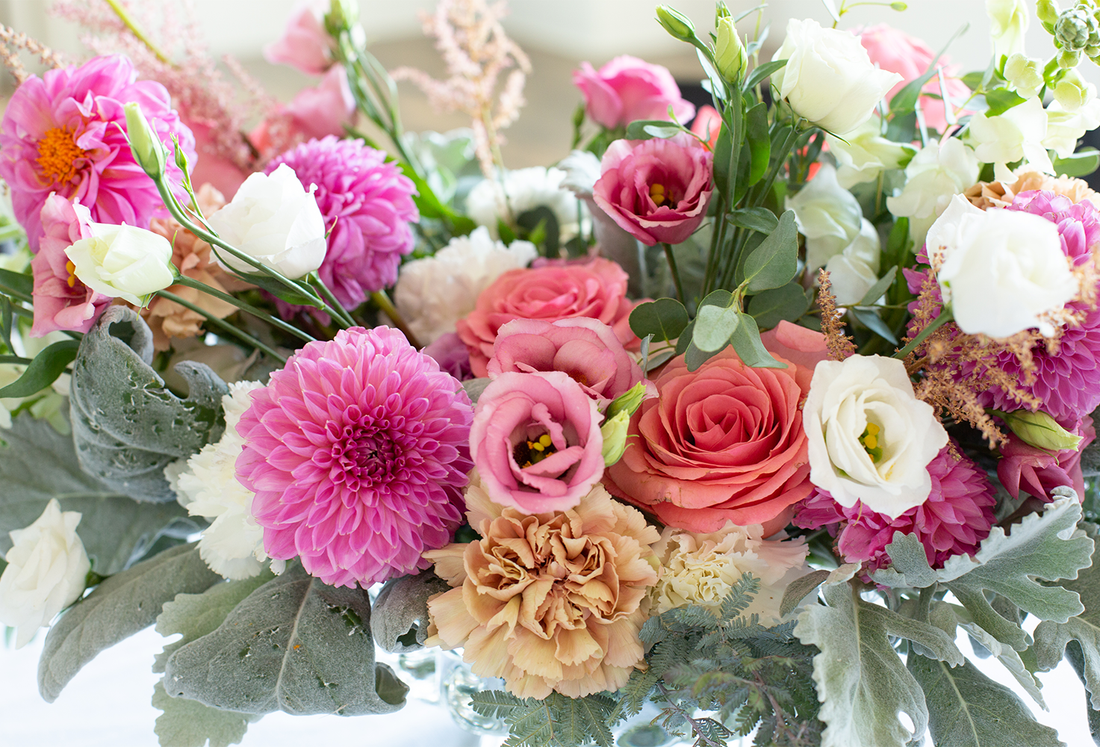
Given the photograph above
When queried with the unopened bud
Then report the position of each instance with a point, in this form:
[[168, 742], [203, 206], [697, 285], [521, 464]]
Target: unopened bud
[[1047, 12], [676, 23], [1024, 74], [1068, 59], [1040, 430], [614, 432], [341, 16], [628, 402], [729, 52], [1073, 91], [721, 10], [147, 148]]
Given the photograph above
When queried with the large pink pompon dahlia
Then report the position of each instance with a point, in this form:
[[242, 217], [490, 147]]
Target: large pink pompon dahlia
[[357, 452]]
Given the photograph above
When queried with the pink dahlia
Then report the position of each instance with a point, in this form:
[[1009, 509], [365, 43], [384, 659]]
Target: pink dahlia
[[954, 520], [357, 453], [66, 133], [368, 205]]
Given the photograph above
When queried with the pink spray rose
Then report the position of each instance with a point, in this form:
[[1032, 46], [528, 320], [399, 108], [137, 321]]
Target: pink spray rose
[[585, 349], [536, 441], [304, 44], [657, 189], [628, 89], [724, 443], [61, 301], [555, 290]]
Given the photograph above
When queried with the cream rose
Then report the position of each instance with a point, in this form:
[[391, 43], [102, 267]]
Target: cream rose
[[274, 220], [870, 439], [122, 262], [829, 78], [47, 568]]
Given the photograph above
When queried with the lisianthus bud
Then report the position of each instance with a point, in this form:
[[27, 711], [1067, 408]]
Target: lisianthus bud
[[729, 52], [676, 23], [1040, 430], [342, 15], [614, 431], [628, 402], [123, 262], [146, 146]]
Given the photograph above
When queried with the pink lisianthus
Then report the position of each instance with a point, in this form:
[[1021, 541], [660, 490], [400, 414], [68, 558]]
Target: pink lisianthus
[[657, 189], [1037, 472], [357, 454], [304, 45], [536, 441], [627, 89], [723, 443], [61, 300], [595, 289], [909, 57], [585, 349], [66, 133]]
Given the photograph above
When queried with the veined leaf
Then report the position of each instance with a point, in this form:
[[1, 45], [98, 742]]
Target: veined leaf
[[758, 219], [787, 302], [664, 318], [749, 347], [774, 262], [399, 619], [716, 321], [762, 72], [187, 723]]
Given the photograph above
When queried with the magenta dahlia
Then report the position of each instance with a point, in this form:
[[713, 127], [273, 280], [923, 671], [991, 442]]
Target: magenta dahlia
[[65, 133], [368, 205], [357, 452], [954, 520]]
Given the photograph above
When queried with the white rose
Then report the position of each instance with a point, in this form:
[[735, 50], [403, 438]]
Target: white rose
[[937, 173], [1002, 271], [870, 439], [1009, 20], [855, 269], [273, 219], [435, 292], [829, 78], [123, 262], [828, 216], [526, 189], [864, 153], [47, 569], [1017, 134]]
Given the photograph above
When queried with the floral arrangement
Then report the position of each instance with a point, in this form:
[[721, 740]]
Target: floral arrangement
[[746, 421]]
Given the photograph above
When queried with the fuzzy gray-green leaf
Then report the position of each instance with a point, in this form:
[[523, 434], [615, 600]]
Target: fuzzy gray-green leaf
[[187, 723], [399, 618]]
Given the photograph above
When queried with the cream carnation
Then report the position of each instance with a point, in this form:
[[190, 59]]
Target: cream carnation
[[526, 189], [702, 568], [435, 292]]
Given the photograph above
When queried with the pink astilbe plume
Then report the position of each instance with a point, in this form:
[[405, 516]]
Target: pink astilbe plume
[[357, 452]]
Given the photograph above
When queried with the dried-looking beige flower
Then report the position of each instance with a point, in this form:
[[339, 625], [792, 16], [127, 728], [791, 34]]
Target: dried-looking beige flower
[[985, 195], [551, 601]]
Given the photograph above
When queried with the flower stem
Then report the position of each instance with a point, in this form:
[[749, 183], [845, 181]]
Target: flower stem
[[386, 305], [344, 316], [675, 271], [243, 306], [944, 317], [224, 325], [136, 30]]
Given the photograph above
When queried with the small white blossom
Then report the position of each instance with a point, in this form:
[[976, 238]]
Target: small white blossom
[[936, 174], [526, 190]]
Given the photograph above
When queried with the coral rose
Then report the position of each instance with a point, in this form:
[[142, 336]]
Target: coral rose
[[724, 443], [548, 602], [595, 289]]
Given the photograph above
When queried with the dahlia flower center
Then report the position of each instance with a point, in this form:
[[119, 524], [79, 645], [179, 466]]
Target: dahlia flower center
[[366, 457], [58, 154]]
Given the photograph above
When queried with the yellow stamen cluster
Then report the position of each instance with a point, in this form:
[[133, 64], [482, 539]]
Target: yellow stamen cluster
[[870, 441], [58, 153], [657, 194], [71, 269], [536, 451]]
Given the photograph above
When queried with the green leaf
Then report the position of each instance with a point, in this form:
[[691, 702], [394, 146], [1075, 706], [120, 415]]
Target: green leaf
[[967, 709], [908, 564], [872, 321], [759, 142], [785, 303], [399, 619], [186, 723], [280, 291], [758, 219], [750, 348], [127, 425], [119, 607], [543, 218], [694, 358], [1080, 164], [799, 589], [716, 321], [774, 262], [665, 319], [294, 644], [644, 129], [723, 152], [1000, 100], [16, 284], [762, 72], [880, 287], [43, 370], [6, 319]]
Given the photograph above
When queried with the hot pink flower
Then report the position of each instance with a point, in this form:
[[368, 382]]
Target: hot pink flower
[[61, 301], [595, 289], [357, 453], [723, 443], [1037, 472], [536, 441], [656, 189], [628, 89], [585, 349], [66, 133], [305, 44]]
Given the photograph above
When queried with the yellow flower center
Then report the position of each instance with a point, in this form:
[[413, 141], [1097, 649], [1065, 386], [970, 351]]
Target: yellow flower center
[[869, 439], [58, 153], [657, 194], [533, 452], [71, 269]]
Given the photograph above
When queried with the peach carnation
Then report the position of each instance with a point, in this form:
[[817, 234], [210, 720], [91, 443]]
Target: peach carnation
[[549, 601], [985, 195]]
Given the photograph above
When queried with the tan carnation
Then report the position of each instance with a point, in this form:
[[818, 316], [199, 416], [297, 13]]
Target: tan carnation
[[548, 601], [985, 195], [192, 257], [702, 568]]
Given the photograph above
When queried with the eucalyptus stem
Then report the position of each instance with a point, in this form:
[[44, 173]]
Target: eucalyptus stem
[[945, 316], [243, 306], [386, 305], [224, 325], [136, 30]]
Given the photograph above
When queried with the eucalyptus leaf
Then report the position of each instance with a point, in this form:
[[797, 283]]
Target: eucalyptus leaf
[[758, 219], [774, 262], [187, 723], [127, 426], [750, 348], [644, 129], [694, 357], [785, 303], [295, 645], [43, 370], [1079, 164], [664, 318], [119, 607], [716, 321], [399, 619]]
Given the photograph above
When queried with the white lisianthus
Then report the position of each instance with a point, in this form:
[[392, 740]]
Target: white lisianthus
[[937, 173], [864, 153], [1009, 20], [207, 486], [1014, 135], [434, 293], [870, 439], [828, 216], [47, 571], [526, 189], [123, 262], [702, 568], [1002, 271], [855, 269], [273, 219], [829, 78]]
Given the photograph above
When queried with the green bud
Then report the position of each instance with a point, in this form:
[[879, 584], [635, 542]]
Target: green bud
[[729, 52], [342, 15], [721, 10], [899, 6], [147, 148], [1072, 92], [614, 431], [1076, 29], [1040, 430], [1068, 59], [628, 402], [1047, 11], [676, 23]]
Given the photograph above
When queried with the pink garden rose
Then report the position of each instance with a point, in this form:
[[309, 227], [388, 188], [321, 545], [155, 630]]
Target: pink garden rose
[[557, 289], [585, 349], [656, 189], [61, 300], [628, 89], [536, 441], [304, 44], [724, 443]]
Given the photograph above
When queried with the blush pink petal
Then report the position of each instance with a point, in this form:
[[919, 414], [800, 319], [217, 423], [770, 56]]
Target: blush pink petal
[[627, 89], [304, 44]]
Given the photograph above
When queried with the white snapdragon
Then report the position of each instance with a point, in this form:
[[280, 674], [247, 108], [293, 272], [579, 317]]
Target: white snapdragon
[[829, 78], [1015, 135], [1009, 20], [939, 171], [1065, 127], [46, 572], [1024, 74], [525, 189], [274, 220], [870, 439], [123, 262], [434, 293], [864, 153]]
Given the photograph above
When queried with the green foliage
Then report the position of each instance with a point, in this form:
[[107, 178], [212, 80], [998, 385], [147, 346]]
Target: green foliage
[[187, 723], [665, 319], [1079, 164], [787, 302], [43, 370], [774, 262], [717, 320], [556, 721]]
